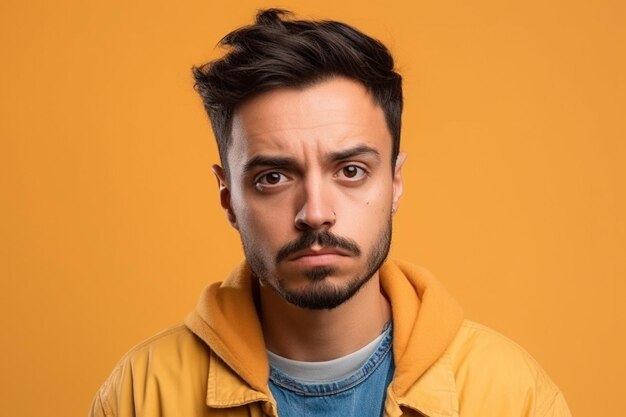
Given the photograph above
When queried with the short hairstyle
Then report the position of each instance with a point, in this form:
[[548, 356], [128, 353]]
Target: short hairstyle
[[277, 51]]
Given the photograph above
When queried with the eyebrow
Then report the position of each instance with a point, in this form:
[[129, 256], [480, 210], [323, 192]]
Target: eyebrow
[[268, 161], [352, 152], [285, 162]]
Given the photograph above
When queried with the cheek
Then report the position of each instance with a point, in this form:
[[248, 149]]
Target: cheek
[[364, 215], [371, 202], [254, 213], [266, 223]]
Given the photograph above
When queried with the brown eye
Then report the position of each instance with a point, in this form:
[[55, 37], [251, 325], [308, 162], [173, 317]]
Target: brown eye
[[270, 179], [352, 172]]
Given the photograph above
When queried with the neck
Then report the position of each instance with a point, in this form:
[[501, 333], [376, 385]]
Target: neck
[[321, 335]]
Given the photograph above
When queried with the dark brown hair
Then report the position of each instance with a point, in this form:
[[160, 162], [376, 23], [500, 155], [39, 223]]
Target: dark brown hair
[[278, 52]]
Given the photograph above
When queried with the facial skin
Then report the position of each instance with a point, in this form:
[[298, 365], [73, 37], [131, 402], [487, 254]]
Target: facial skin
[[311, 190]]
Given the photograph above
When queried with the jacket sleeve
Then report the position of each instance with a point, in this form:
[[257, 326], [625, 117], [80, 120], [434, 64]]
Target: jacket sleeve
[[98, 409], [558, 408], [105, 402]]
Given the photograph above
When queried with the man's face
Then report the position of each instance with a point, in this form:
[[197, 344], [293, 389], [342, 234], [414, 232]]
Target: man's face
[[311, 189]]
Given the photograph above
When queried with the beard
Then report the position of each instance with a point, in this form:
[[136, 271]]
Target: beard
[[319, 293]]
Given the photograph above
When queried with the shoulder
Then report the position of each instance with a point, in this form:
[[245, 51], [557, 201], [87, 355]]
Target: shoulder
[[173, 363], [491, 370], [478, 344], [170, 349]]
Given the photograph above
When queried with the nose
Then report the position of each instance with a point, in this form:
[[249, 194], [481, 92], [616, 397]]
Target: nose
[[315, 209]]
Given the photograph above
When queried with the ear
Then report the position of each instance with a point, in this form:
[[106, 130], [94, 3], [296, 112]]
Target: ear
[[225, 201], [397, 182]]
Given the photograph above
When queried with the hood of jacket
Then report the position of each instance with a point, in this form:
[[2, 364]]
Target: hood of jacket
[[425, 318]]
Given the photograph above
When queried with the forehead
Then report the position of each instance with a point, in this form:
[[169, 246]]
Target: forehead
[[326, 116]]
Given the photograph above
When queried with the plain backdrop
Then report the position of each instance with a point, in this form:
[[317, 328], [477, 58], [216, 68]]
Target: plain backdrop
[[109, 218]]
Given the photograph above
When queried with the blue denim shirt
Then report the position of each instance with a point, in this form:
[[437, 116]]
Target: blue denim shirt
[[361, 394]]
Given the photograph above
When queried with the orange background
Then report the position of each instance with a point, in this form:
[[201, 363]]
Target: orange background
[[109, 218]]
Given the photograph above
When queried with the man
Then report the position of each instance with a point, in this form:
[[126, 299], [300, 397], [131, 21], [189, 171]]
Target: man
[[316, 322]]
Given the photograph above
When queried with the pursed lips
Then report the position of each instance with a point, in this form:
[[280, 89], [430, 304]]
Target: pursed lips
[[318, 254]]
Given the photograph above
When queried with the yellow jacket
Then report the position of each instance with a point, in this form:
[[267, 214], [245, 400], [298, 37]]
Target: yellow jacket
[[216, 365]]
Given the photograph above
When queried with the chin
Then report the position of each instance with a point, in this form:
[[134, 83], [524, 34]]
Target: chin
[[324, 290]]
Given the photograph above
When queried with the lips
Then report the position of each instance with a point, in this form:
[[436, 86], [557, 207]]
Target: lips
[[317, 243], [317, 258], [315, 253]]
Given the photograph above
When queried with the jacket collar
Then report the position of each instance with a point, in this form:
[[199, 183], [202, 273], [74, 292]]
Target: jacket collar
[[425, 317]]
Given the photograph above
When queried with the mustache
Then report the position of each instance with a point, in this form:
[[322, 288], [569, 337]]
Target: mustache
[[323, 238]]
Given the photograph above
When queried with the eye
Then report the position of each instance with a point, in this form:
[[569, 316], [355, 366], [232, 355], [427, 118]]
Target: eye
[[269, 179], [352, 172]]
